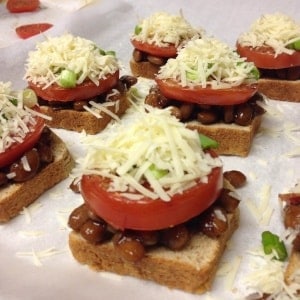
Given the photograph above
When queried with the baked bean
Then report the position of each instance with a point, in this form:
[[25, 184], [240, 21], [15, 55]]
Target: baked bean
[[148, 238], [156, 100], [228, 201], [79, 105], [228, 114], [78, 217], [296, 242], [207, 117], [128, 80], [293, 73], [159, 61], [214, 222], [93, 231], [186, 110], [236, 178], [45, 153], [175, 238], [281, 73], [120, 86], [129, 248], [137, 55], [18, 168], [3, 179], [243, 114], [94, 217], [176, 112]]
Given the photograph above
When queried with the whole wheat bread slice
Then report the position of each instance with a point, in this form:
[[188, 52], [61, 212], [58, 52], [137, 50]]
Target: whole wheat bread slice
[[143, 69], [15, 196], [191, 269]]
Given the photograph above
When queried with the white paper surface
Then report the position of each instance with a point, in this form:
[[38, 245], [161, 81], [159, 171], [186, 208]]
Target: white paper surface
[[272, 166]]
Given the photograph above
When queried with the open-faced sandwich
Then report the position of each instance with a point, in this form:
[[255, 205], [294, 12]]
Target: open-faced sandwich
[[78, 83], [291, 215], [212, 89], [155, 206], [32, 157], [273, 44], [157, 38]]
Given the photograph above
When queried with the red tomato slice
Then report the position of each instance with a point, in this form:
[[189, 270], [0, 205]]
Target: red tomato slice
[[19, 6], [169, 51], [16, 150], [234, 95], [29, 30], [147, 214], [264, 57], [83, 91]]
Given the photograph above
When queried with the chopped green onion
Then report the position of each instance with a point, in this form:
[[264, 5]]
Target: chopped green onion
[[110, 52], [271, 243], [29, 98], [14, 101], [255, 73], [191, 75], [207, 142], [67, 79], [101, 51], [296, 45], [157, 173], [137, 29]]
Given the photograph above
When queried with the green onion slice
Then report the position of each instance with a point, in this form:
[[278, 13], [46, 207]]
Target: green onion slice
[[272, 244]]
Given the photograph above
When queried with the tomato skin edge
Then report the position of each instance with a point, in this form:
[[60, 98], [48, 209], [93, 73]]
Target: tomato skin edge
[[168, 52], [83, 91], [147, 214], [16, 150], [231, 96], [264, 57]]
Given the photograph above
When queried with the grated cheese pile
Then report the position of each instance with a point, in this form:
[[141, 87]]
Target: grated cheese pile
[[154, 139], [208, 62], [163, 29], [15, 121], [274, 30], [76, 54]]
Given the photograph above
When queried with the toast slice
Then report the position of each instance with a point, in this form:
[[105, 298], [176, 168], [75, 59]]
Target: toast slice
[[191, 269], [284, 90], [71, 119], [15, 196], [233, 139], [143, 69]]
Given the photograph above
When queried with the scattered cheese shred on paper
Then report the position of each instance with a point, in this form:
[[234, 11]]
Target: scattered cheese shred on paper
[[38, 256], [31, 233], [68, 5], [30, 210]]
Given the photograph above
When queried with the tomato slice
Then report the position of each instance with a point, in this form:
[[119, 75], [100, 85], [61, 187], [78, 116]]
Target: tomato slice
[[16, 150], [148, 214], [169, 51], [19, 6], [234, 95], [86, 90], [29, 30], [264, 57]]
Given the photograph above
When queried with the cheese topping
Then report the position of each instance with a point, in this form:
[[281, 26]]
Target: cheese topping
[[276, 31], [163, 29], [207, 62], [156, 140], [67, 52], [15, 121]]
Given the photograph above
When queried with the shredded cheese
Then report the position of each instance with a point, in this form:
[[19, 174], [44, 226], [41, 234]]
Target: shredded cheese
[[163, 29], [274, 30], [154, 138], [15, 121], [207, 62], [76, 54]]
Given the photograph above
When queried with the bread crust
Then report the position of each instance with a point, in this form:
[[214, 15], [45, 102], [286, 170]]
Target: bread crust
[[191, 269], [284, 90], [293, 267], [15, 196], [71, 119], [143, 69], [233, 139]]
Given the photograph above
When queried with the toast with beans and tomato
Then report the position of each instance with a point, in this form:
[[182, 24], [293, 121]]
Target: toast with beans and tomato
[[210, 88], [157, 204], [158, 38], [78, 84], [273, 45], [32, 157], [291, 219]]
